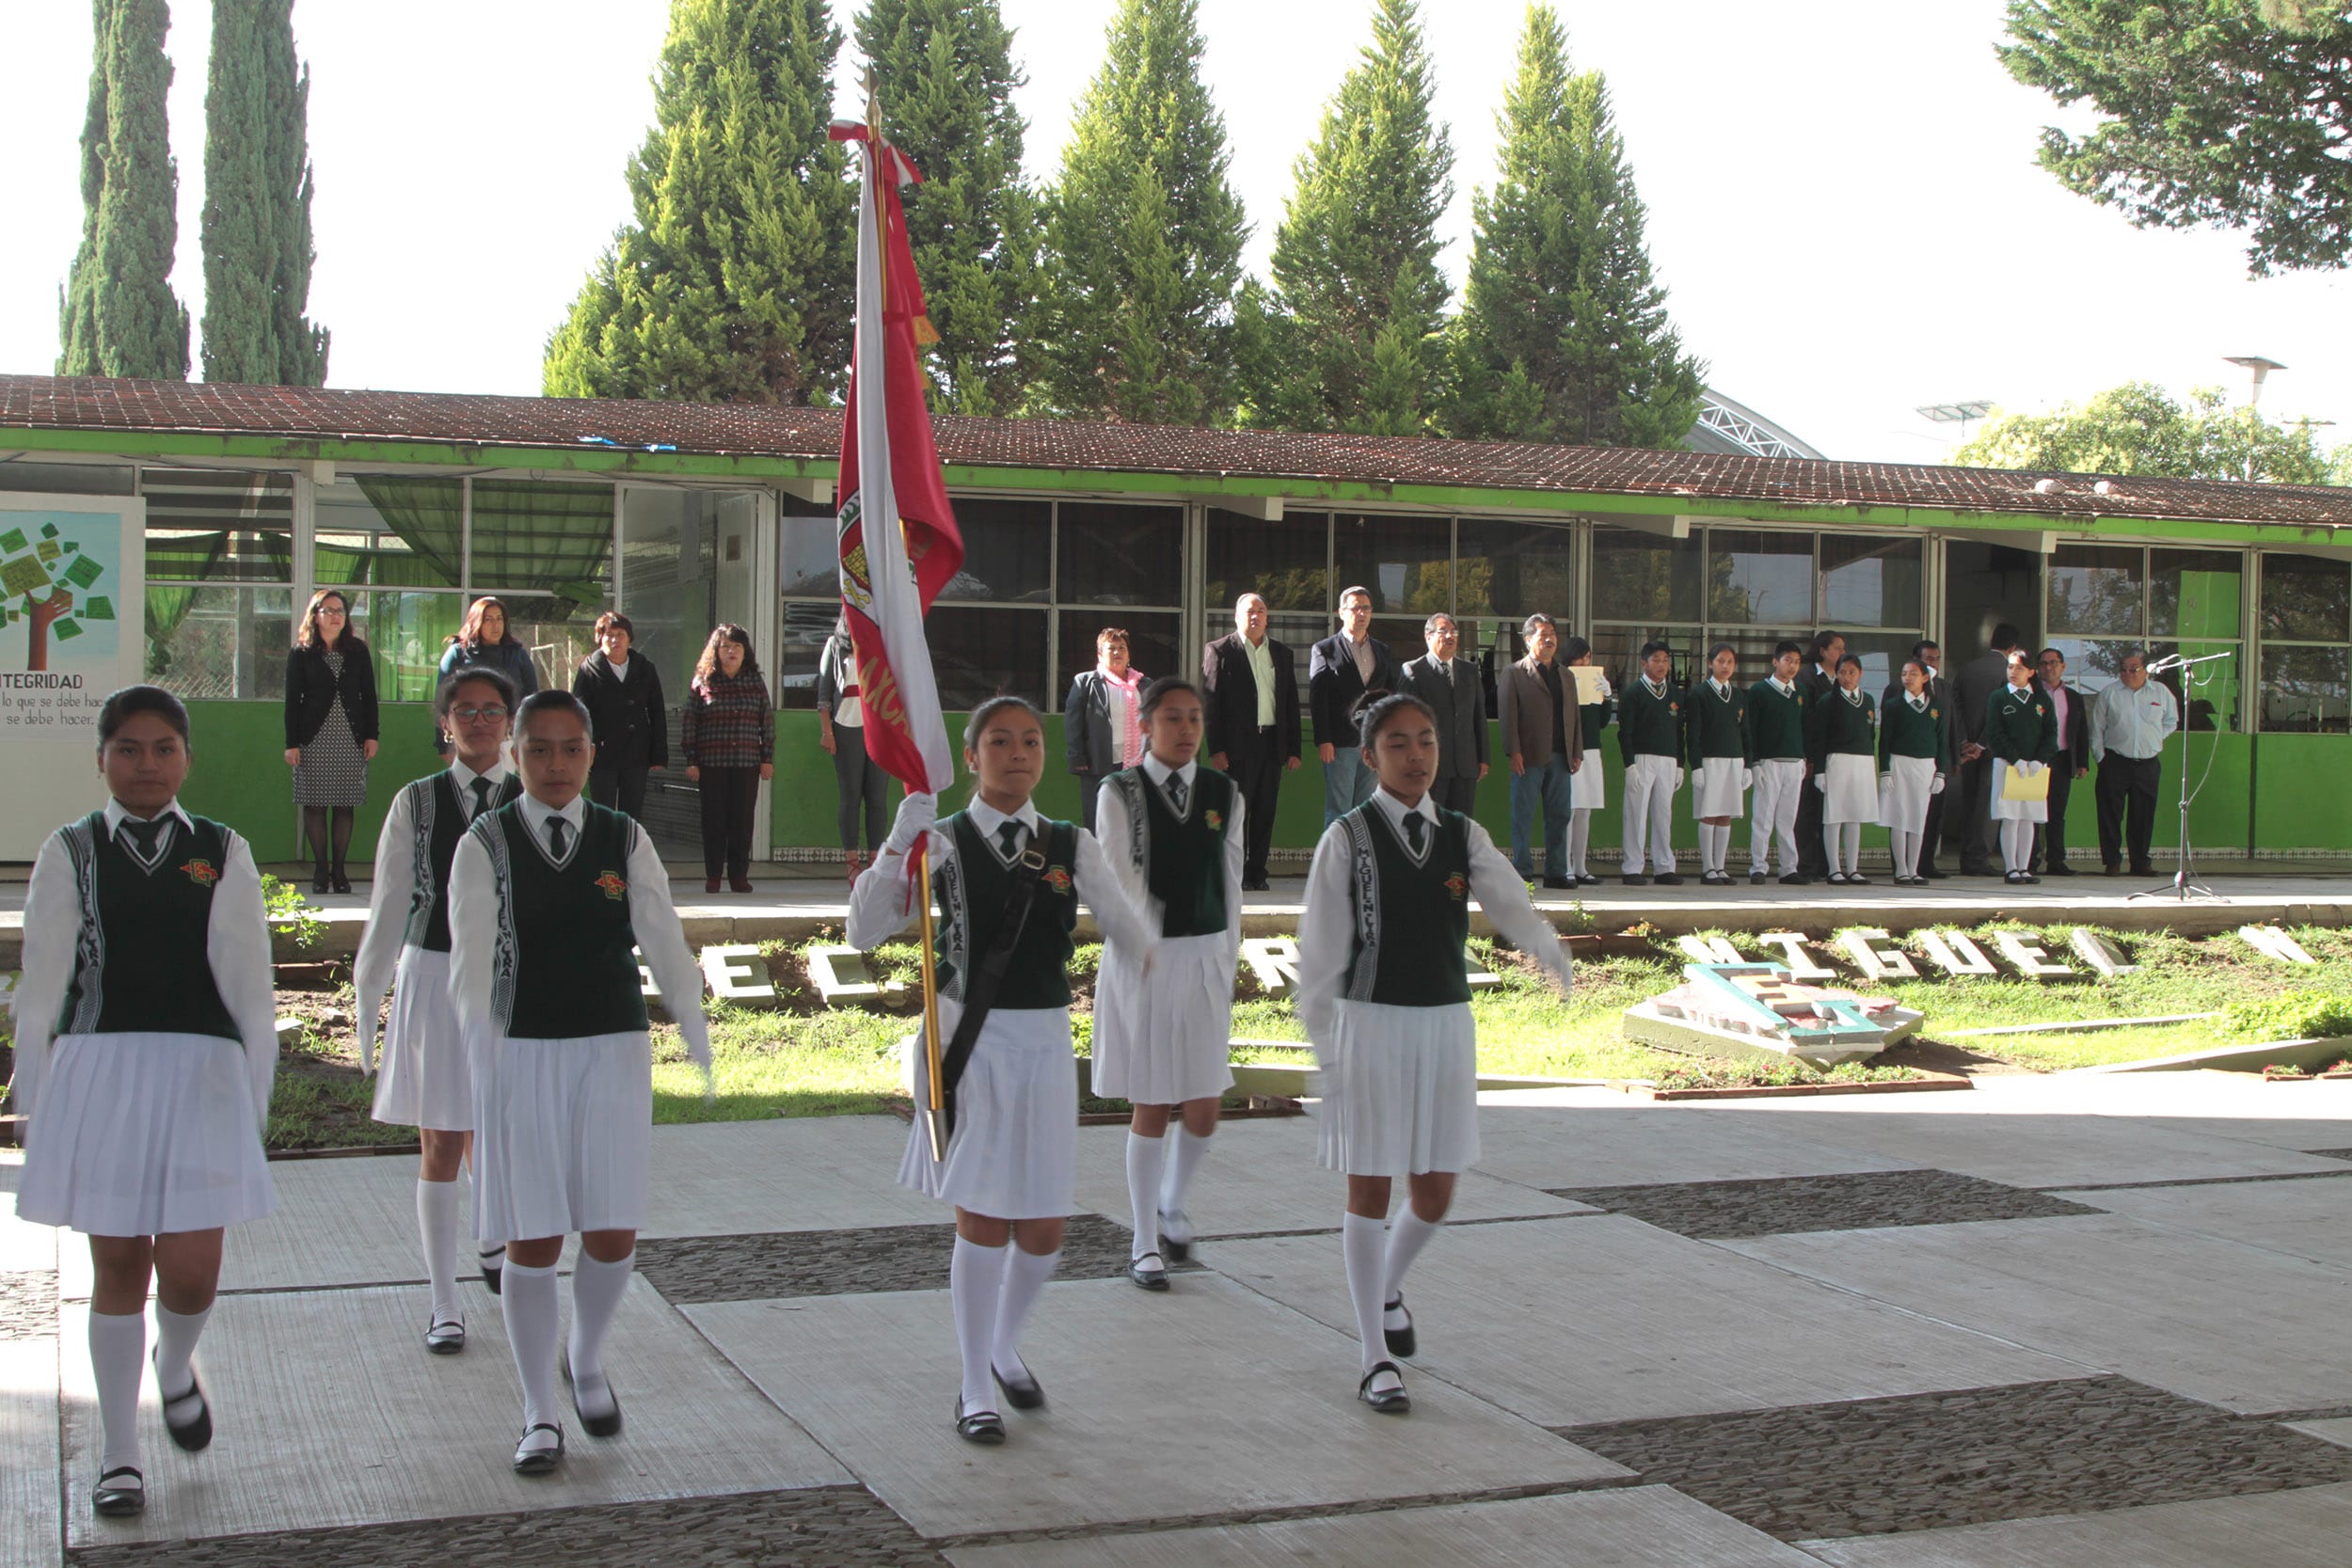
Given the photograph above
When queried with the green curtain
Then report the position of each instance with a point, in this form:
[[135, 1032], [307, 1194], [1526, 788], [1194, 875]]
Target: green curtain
[[428, 515], [553, 539]]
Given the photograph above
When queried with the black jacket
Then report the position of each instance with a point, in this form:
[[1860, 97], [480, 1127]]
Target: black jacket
[[2074, 738], [632, 729], [1456, 695], [1333, 685], [313, 690], [1233, 696]]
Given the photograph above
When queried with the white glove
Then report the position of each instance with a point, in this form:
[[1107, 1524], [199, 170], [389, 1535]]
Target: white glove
[[916, 814], [1937, 787], [1747, 777], [1678, 778], [1607, 691], [2029, 769], [1886, 780], [1820, 782]]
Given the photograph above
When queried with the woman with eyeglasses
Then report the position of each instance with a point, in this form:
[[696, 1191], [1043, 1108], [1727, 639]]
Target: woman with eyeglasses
[[330, 732], [729, 738]]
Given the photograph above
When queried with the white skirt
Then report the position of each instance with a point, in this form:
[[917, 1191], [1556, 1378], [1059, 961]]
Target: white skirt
[[424, 1079], [1903, 798], [1165, 1037], [1588, 786], [1715, 788], [1853, 789], [1014, 1152], [563, 1135], [2005, 810], [144, 1135], [1400, 1090]]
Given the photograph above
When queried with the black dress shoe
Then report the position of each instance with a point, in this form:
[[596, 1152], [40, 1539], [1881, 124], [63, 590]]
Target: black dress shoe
[[982, 1426], [1588, 881], [1795, 878], [1150, 1279], [1856, 879], [121, 1492], [340, 882], [2145, 868], [1837, 879], [606, 1425], [538, 1462], [2113, 870], [1668, 878], [1930, 874], [318, 884], [1176, 1233], [1976, 868], [493, 1270], [193, 1429], [1021, 1390], [1755, 879], [445, 1338], [1637, 880], [1560, 881], [2059, 870], [1402, 1341], [2013, 878], [1389, 1402]]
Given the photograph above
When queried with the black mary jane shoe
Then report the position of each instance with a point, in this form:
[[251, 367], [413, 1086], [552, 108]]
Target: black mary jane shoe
[[538, 1462], [1837, 878], [1856, 879], [119, 1492], [493, 1270], [2014, 879], [1149, 1279], [981, 1426], [1388, 1401], [445, 1338], [1588, 881], [606, 1425], [1402, 1341], [1176, 1236], [1022, 1390], [191, 1431]]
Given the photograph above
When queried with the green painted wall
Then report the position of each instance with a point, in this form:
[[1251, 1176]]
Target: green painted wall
[[239, 773], [2298, 791]]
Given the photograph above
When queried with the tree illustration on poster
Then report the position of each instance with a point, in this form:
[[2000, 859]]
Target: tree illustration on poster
[[49, 581]]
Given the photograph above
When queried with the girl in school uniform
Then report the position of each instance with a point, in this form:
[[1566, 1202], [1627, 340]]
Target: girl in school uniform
[[1715, 734], [1915, 755], [1588, 786], [2019, 728], [1383, 993], [549, 896], [426, 1082], [1172, 832], [146, 1039], [1012, 1154], [1842, 737]]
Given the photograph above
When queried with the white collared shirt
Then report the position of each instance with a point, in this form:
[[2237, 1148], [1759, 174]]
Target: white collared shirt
[[462, 777], [117, 812], [1159, 771], [537, 812], [1113, 831]]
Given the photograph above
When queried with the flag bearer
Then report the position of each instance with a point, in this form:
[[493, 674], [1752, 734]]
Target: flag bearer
[[1777, 714], [1714, 728], [1649, 737], [2020, 729], [1915, 755], [146, 1039], [1842, 742]]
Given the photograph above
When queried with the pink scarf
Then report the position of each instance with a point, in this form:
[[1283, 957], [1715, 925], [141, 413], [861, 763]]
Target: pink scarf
[[1131, 738]]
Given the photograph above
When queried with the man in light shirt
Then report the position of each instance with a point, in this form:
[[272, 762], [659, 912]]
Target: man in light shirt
[[1251, 685], [2129, 721]]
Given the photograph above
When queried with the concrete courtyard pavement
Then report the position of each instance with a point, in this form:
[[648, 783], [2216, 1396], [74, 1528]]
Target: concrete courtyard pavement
[[2051, 1320]]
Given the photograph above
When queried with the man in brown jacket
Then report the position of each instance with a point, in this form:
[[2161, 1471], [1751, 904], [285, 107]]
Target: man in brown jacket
[[1543, 735]]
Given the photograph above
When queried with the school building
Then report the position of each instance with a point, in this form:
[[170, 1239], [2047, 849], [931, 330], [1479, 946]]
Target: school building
[[686, 515]]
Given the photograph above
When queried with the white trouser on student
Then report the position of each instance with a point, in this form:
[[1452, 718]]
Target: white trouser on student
[[1779, 785], [1649, 804]]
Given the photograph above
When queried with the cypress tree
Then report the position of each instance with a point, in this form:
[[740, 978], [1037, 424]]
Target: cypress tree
[[733, 282], [1354, 328], [946, 78], [117, 314], [257, 201], [1563, 335], [1144, 235]]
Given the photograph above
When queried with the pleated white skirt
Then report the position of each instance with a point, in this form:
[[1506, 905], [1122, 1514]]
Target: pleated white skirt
[[144, 1135], [2005, 810], [1715, 788], [563, 1135], [1014, 1152], [1165, 1037], [1853, 789], [1903, 800], [424, 1079], [1400, 1090]]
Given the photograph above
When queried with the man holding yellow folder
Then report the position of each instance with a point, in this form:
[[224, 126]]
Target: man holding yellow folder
[[2021, 736]]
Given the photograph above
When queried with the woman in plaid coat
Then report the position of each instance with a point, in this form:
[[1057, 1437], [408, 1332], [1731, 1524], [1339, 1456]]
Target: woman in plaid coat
[[729, 738]]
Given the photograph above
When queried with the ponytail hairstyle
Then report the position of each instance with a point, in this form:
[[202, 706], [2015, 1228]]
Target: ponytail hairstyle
[[1375, 709]]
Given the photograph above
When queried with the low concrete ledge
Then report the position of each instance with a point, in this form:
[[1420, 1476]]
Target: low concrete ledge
[[2235, 1058]]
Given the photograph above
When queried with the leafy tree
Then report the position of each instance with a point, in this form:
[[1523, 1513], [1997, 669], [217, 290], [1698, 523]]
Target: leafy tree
[[2139, 428], [946, 76], [256, 202], [1144, 235], [1353, 334], [117, 314], [733, 283], [2230, 111], [1563, 335]]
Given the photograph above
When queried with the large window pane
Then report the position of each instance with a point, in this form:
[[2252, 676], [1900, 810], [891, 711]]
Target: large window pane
[[1870, 582], [2096, 590], [213, 525], [219, 642], [982, 653], [558, 632], [1756, 578], [553, 538], [1514, 570], [2195, 594], [670, 576], [1408, 562], [1151, 646], [1282, 562], [2303, 690], [1641, 577], [792, 668], [1618, 650], [811, 553], [411, 541], [2096, 663], [407, 633], [1121, 555], [1754, 646], [70, 479], [1007, 552], [2208, 692], [2306, 598]]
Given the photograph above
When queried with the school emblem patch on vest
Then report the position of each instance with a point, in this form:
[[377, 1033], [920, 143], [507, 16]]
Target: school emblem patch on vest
[[1215, 820], [614, 885], [201, 872], [1058, 878], [1457, 887]]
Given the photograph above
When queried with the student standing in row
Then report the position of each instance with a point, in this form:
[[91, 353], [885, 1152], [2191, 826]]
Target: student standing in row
[[1914, 762], [1009, 882], [1820, 679], [1588, 786], [1930, 655], [427, 1079], [1171, 830], [1650, 737], [1715, 735], [1776, 715], [1842, 745], [1384, 994], [551, 897], [2019, 730], [146, 1039]]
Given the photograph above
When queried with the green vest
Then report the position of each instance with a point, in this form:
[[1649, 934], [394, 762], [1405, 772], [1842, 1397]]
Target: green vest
[[1412, 920], [1649, 726], [1714, 726], [566, 965], [438, 813], [1840, 728], [1181, 859], [1906, 732], [2021, 728], [972, 888], [143, 959], [1777, 722]]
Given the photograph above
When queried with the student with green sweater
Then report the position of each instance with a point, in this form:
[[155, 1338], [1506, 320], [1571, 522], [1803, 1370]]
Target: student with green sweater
[[1715, 739], [1776, 710], [1915, 755], [2021, 731], [1841, 739], [1649, 737]]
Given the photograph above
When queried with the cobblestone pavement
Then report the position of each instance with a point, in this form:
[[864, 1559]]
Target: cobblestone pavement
[[692, 1270], [1777, 1206], [826, 1527], [28, 1305], [1929, 1461]]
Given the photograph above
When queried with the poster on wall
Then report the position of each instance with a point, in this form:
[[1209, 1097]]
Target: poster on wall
[[73, 628]]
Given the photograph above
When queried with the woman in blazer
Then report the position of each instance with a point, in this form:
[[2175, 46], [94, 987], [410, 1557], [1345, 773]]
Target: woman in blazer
[[330, 732]]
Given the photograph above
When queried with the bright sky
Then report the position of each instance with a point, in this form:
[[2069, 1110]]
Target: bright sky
[[1842, 194]]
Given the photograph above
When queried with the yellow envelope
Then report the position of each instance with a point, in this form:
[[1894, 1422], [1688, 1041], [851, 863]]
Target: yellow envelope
[[1588, 683], [2016, 786]]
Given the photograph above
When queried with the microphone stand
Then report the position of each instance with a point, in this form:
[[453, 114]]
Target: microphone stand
[[2184, 885]]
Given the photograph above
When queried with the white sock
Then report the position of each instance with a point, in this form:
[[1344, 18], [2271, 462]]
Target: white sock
[[176, 1333], [1143, 1191], [1183, 1159], [117, 1343], [1580, 838], [1852, 834], [596, 1291], [976, 1288], [1025, 1274], [529, 1305], [2016, 843], [1906, 853], [1407, 1234], [437, 1222], [1362, 1241]]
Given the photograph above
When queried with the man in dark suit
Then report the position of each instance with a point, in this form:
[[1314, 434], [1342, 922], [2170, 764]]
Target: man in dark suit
[[1452, 688], [1819, 680], [1940, 698], [1973, 691], [2073, 711], [1543, 737], [1252, 690], [1340, 669]]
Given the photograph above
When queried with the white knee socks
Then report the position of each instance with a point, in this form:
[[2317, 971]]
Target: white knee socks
[[1906, 853], [1144, 1159], [176, 1333], [1714, 847], [1579, 836], [1183, 1160], [1362, 1244], [118, 1344], [2017, 843], [976, 1289], [437, 1222], [1407, 1234], [1025, 1274], [596, 1291], [529, 1305]]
